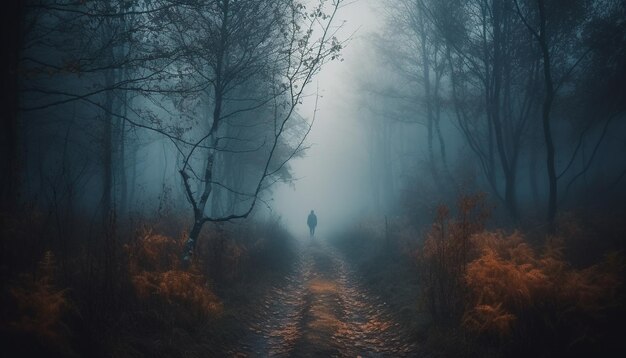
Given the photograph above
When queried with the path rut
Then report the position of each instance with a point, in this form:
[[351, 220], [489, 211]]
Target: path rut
[[322, 309]]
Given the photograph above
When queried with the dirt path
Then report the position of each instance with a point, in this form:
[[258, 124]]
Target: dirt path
[[322, 310]]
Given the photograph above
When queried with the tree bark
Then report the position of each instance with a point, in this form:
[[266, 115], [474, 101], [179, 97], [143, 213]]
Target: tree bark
[[546, 108], [218, 88], [107, 149], [495, 107], [428, 99], [9, 151]]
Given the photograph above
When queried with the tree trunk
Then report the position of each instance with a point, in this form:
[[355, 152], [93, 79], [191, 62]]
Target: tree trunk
[[532, 175], [107, 150], [428, 99], [9, 153], [440, 138], [123, 202], [495, 104], [190, 244], [546, 108], [552, 179], [200, 206], [218, 88]]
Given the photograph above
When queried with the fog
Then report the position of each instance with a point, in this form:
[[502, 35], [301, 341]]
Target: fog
[[465, 159], [337, 187], [397, 119], [333, 185]]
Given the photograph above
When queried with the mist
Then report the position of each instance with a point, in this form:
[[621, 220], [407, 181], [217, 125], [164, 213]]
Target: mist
[[313, 178]]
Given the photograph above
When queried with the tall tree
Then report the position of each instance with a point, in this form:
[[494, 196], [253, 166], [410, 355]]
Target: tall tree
[[556, 31], [490, 85], [233, 43], [12, 37]]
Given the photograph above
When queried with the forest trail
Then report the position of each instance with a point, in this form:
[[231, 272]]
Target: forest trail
[[323, 310]]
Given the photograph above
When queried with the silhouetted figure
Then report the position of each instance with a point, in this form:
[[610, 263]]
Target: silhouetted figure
[[312, 222]]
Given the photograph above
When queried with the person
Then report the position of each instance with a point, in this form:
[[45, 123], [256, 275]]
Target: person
[[312, 222]]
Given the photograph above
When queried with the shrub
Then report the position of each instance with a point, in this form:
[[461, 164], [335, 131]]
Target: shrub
[[511, 284], [504, 294], [154, 266], [445, 255], [41, 305]]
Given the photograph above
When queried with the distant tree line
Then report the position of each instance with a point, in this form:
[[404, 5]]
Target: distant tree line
[[500, 89]]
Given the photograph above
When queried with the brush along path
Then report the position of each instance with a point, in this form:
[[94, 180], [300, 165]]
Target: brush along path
[[322, 310]]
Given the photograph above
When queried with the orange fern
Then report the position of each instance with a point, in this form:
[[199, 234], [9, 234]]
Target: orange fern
[[509, 279], [41, 304], [154, 262]]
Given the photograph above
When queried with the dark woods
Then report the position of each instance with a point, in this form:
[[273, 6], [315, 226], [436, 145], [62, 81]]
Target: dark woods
[[134, 133], [141, 141], [522, 99], [524, 103]]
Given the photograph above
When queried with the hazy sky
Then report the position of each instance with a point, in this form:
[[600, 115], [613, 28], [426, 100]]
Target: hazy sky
[[331, 176]]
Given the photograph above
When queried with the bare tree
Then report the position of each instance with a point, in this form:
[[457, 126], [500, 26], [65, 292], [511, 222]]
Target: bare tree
[[491, 87], [234, 43], [9, 161], [556, 32], [99, 71]]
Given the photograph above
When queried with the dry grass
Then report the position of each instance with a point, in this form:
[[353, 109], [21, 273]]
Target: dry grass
[[514, 297], [510, 281], [41, 305], [121, 291], [154, 266]]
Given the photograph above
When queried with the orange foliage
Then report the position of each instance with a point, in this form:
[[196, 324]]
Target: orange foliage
[[41, 305], [484, 318], [494, 284], [154, 267], [178, 286], [445, 255], [154, 252], [509, 280]]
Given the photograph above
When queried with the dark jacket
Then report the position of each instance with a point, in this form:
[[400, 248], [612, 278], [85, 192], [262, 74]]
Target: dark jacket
[[312, 220]]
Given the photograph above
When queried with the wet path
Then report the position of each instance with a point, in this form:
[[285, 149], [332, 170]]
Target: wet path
[[322, 310]]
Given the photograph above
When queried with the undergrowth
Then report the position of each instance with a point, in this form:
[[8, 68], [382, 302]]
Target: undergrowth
[[506, 297], [479, 292], [121, 290]]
